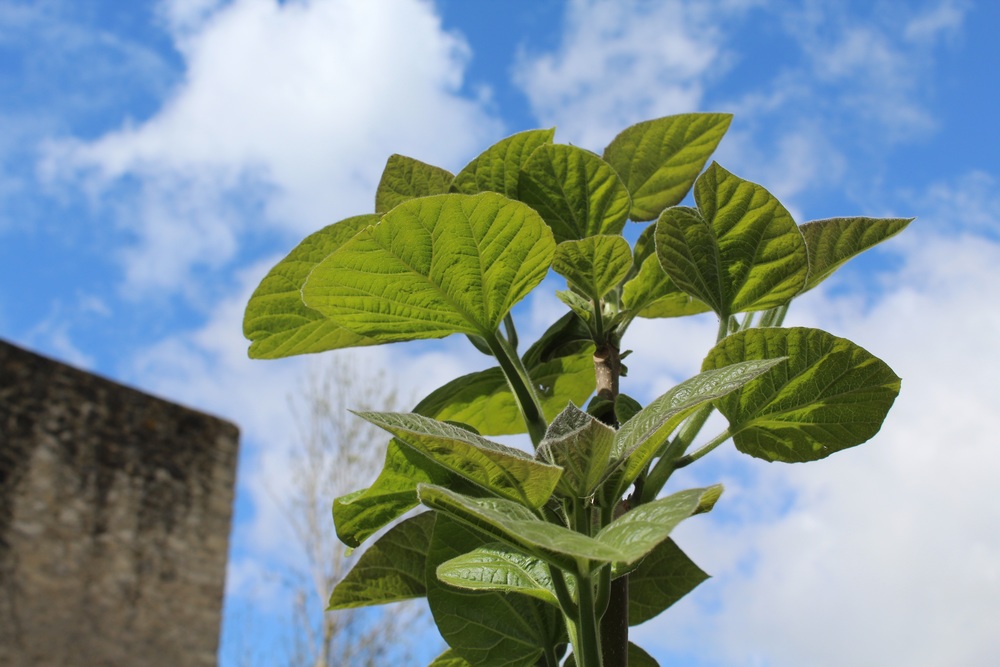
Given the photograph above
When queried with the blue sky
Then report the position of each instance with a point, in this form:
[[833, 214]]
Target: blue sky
[[157, 157]]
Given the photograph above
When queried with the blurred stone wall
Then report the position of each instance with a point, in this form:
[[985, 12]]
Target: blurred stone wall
[[114, 521]]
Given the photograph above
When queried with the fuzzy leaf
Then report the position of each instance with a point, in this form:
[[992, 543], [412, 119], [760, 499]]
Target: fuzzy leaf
[[498, 567], [829, 395], [576, 192], [581, 445], [434, 266], [498, 168], [505, 471], [405, 178], [660, 159], [832, 242], [390, 570], [277, 322], [661, 579], [594, 265], [739, 250]]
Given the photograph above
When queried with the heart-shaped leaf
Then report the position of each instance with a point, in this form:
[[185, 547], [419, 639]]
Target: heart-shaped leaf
[[486, 628], [651, 293], [832, 242], [434, 266], [405, 178], [576, 192], [739, 250], [662, 578], [505, 471], [498, 168], [390, 570], [660, 159], [277, 322], [498, 567], [594, 265], [581, 445], [829, 395]]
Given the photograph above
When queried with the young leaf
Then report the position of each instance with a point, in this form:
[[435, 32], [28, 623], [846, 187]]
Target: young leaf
[[829, 395], [640, 530], [486, 628], [660, 159], [405, 178], [450, 659], [651, 293], [576, 192], [505, 471], [277, 322], [580, 445], [662, 578], [434, 266], [498, 567], [357, 516], [390, 570], [594, 265], [514, 524], [639, 439], [832, 242], [498, 168], [739, 250]]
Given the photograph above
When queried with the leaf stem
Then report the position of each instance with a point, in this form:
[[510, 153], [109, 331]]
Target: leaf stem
[[566, 603], [709, 446], [521, 386], [587, 626], [667, 463]]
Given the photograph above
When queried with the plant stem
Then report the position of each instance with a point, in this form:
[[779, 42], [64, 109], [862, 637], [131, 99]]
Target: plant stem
[[521, 386], [589, 638], [712, 444], [667, 463], [723, 328]]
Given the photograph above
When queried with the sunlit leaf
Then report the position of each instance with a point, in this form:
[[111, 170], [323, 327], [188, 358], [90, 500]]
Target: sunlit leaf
[[405, 178], [661, 578], [499, 567], [498, 168], [832, 242], [581, 445], [594, 265], [651, 293]]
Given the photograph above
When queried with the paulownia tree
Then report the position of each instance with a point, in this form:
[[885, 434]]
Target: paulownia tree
[[548, 558]]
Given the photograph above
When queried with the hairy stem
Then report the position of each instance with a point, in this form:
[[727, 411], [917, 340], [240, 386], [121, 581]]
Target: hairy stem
[[521, 386]]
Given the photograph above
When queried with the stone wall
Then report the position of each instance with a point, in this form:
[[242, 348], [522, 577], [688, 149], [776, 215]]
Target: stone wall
[[114, 521]]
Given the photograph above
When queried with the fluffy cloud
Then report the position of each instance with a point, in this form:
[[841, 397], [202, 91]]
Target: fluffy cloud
[[283, 119]]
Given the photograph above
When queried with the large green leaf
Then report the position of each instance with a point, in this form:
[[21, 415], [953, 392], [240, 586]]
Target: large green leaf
[[405, 178], [561, 368], [498, 168], [505, 471], [277, 322], [594, 265], [739, 250], [660, 159], [390, 570], [434, 266], [519, 527], [662, 578], [575, 191], [486, 628], [581, 445], [499, 567], [651, 293], [832, 242], [829, 395], [640, 439], [357, 516], [637, 532]]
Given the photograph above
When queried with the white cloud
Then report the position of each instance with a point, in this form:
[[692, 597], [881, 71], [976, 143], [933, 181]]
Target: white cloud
[[284, 118]]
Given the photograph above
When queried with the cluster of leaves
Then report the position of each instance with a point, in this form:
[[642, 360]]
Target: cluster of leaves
[[519, 554]]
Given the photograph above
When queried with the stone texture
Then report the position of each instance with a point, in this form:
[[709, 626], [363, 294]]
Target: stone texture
[[115, 511]]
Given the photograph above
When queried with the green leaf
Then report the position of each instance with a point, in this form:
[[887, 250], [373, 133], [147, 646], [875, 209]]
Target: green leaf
[[505, 471], [640, 530], [560, 366], [390, 570], [640, 439], [486, 628], [660, 159], [576, 192], [434, 266], [277, 322], [405, 178], [359, 515], [661, 579], [581, 445], [637, 657], [498, 168], [594, 265], [739, 250], [516, 525], [498, 567], [626, 407], [832, 242], [651, 293], [450, 659], [829, 395]]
